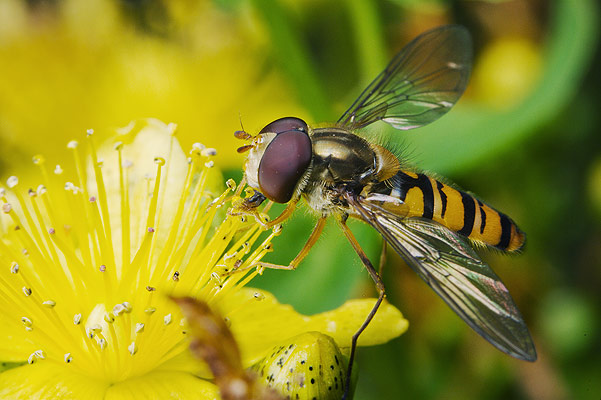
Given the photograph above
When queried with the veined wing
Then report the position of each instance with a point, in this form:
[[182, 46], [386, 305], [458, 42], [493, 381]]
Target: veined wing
[[449, 265], [421, 83]]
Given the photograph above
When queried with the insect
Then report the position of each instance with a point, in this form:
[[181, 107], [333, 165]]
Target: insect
[[430, 224]]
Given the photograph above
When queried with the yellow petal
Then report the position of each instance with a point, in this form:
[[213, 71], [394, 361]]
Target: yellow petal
[[163, 385], [43, 380], [146, 140], [344, 321], [259, 322], [12, 346]]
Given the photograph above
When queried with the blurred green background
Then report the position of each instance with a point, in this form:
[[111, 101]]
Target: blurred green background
[[524, 138]]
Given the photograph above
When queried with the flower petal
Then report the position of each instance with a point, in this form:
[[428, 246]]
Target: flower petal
[[163, 385], [47, 381], [145, 140], [13, 347], [344, 321], [261, 322]]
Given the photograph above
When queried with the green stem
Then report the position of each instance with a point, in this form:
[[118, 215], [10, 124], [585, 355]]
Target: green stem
[[367, 30], [294, 58]]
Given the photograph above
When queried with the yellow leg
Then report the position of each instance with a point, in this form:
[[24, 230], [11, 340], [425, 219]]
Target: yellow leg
[[301, 255], [382, 258], [290, 207]]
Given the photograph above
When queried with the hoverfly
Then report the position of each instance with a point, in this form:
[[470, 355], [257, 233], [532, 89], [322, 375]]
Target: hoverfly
[[430, 224]]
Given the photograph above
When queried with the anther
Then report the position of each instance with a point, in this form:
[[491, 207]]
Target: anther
[[210, 164], [150, 310], [27, 291], [51, 231], [67, 357], [102, 268], [92, 199], [72, 144], [176, 276], [167, 319], [49, 303], [38, 354], [150, 230], [77, 319], [151, 288], [6, 208], [133, 348], [258, 296], [58, 170], [27, 322], [208, 152], [118, 146], [231, 184], [41, 190], [89, 132], [38, 159], [31, 192], [139, 327], [159, 160], [198, 146], [12, 181], [14, 267], [109, 318], [127, 307]]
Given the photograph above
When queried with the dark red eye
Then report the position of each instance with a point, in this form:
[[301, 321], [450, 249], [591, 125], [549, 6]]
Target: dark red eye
[[284, 162], [286, 124]]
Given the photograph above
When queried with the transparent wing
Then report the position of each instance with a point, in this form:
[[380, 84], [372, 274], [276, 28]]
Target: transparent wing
[[421, 83], [449, 265]]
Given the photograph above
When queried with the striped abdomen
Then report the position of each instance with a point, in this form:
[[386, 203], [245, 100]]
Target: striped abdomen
[[459, 211]]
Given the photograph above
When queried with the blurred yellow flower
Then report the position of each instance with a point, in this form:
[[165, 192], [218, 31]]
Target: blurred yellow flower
[[85, 64], [89, 258], [507, 71]]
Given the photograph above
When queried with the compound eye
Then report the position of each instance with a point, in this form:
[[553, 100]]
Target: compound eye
[[286, 124], [284, 162]]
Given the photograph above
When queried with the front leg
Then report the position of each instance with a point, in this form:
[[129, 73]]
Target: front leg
[[250, 204]]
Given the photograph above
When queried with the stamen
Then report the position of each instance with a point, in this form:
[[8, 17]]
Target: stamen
[[56, 247]]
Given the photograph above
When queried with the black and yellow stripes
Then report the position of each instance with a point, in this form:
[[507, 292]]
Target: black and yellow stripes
[[459, 211]]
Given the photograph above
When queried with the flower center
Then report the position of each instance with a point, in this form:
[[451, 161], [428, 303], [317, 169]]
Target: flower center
[[86, 266]]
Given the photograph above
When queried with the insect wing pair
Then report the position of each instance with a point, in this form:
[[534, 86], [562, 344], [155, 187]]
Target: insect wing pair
[[420, 85]]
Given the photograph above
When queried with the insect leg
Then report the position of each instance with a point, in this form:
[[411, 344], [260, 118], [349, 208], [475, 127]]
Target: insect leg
[[285, 214], [250, 207], [321, 223], [382, 258], [381, 293]]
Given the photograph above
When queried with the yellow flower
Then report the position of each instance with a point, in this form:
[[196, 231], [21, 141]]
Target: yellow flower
[[89, 257], [85, 63]]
